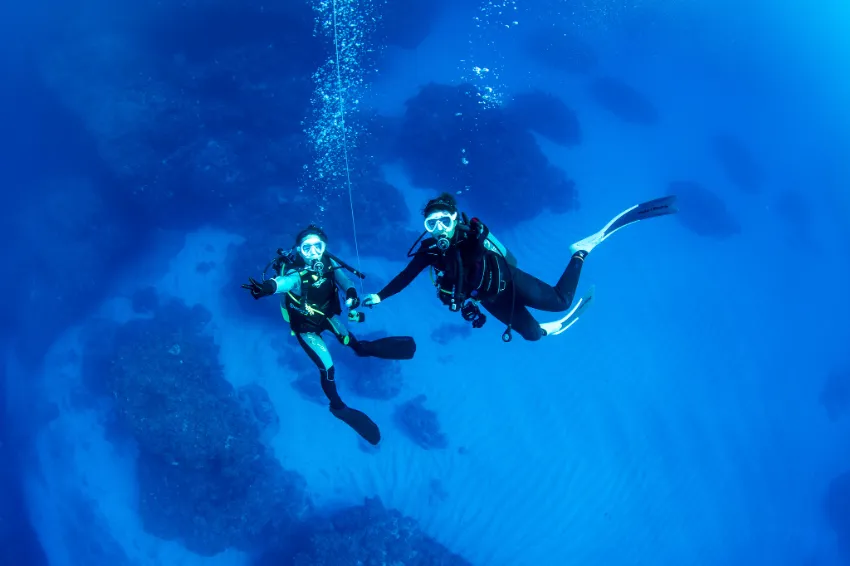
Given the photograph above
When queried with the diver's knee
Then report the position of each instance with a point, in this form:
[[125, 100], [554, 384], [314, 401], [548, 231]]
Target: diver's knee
[[532, 335]]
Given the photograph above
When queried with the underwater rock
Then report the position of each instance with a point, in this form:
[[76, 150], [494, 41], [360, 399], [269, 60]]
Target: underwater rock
[[388, 229], [559, 49], [68, 227], [446, 333], [188, 104], [19, 543], [623, 101], [369, 534], [420, 424], [703, 212], [309, 388], [145, 300], [837, 509], [407, 23], [547, 115], [449, 141], [835, 395], [376, 379], [738, 163], [256, 401], [796, 214], [205, 477]]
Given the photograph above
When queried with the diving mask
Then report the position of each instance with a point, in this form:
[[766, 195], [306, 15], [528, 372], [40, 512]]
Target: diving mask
[[441, 221], [312, 248]]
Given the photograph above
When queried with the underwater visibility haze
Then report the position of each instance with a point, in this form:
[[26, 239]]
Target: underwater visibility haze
[[425, 282]]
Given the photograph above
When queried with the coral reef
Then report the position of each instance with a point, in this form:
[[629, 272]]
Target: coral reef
[[703, 212], [446, 333], [449, 141], [547, 115], [835, 395], [623, 101], [559, 49], [365, 535], [837, 508], [738, 163], [205, 476], [420, 424]]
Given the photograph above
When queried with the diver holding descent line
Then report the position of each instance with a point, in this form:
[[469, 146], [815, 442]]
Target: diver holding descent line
[[311, 280], [473, 268]]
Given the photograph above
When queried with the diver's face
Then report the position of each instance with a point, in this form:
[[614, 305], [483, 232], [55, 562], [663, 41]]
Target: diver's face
[[312, 248], [441, 223]]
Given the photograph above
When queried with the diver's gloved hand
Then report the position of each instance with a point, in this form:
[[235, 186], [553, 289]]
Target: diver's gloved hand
[[371, 300], [264, 289], [352, 301], [478, 229]]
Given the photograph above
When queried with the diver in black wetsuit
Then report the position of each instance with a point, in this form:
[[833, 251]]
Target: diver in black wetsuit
[[311, 280], [472, 267]]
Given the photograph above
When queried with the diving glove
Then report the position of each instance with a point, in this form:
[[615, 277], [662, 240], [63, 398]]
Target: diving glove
[[264, 289], [352, 301], [371, 300]]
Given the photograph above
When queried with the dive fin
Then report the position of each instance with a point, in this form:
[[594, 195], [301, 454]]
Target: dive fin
[[389, 348], [360, 422], [649, 209], [556, 327]]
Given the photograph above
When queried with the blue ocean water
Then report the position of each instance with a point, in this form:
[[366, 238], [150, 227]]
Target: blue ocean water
[[156, 155]]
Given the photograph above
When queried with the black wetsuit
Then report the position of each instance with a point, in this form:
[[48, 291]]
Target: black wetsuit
[[469, 270], [312, 306]]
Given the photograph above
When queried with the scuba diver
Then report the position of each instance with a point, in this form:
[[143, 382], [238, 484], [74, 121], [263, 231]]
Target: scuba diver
[[311, 280], [472, 267]]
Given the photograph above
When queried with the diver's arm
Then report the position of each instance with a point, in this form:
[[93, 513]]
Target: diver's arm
[[419, 262], [289, 282]]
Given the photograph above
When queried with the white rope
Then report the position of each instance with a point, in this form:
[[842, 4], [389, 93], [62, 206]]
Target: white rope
[[345, 144]]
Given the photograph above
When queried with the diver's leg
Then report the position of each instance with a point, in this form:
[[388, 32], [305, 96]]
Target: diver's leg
[[318, 352], [534, 293], [512, 312]]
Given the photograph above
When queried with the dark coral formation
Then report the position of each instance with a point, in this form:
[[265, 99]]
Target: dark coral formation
[[703, 212], [738, 163], [67, 227], [145, 300], [449, 141], [256, 402], [446, 333], [205, 476], [172, 101], [623, 101], [796, 214], [19, 543], [547, 115], [370, 378], [366, 535], [407, 23], [373, 378], [420, 424], [559, 49], [835, 395], [837, 508]]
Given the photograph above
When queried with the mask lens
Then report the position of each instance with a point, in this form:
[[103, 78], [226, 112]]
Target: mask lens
[[312, 248], [442, 221]]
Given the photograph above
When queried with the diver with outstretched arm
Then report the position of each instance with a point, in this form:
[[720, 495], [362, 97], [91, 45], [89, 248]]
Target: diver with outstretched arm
[[310, 281], [472, 267]]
